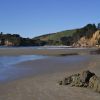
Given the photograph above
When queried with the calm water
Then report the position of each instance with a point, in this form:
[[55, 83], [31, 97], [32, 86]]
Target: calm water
[[44, 47], [8, 69], [9, 60]]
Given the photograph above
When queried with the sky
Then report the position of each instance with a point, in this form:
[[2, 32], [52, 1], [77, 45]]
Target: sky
[[31, 18]]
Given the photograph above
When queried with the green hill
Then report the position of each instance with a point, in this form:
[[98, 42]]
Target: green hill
[[55, 38], [67, 37]]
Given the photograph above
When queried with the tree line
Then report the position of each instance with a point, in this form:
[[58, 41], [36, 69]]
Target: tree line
[[17, 40], [87, 31]]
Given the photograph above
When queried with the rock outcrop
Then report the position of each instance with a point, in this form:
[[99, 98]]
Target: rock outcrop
[[89, 42], [94, 83], [83, 79], [8, 43]]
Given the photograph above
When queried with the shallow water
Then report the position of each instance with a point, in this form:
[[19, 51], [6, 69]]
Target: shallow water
[[9, 71], [7, 65], [9, 60]]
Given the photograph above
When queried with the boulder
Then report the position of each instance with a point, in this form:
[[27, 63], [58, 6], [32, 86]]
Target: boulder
[[79, 80], [76, 80], [83, 79], [85, 76], [66, 81], [94, 83]]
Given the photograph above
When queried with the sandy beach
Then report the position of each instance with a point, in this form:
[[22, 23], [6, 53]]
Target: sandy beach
[[44, 86], [43, 51]]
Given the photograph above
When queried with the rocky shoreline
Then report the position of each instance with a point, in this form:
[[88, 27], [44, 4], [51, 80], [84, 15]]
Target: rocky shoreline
[[84, 79]]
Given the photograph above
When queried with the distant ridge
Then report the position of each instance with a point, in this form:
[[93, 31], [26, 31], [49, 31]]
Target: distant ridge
[[87, 36], [74, 37], [55, 38]]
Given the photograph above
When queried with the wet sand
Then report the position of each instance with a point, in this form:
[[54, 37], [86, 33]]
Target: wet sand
[[44, 86], [44, 51]]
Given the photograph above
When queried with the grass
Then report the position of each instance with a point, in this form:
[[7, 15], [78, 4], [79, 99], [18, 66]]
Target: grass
[[57, 36]]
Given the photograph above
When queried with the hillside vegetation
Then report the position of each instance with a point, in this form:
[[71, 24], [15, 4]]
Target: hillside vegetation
[[76, 37], [93, 41], [68, 37], [55, 38]]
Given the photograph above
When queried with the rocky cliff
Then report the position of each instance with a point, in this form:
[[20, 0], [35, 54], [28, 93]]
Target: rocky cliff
[[89, 42]]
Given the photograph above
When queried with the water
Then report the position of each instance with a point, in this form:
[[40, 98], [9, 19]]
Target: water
[[9, 60], [43, 47], [8, 69]]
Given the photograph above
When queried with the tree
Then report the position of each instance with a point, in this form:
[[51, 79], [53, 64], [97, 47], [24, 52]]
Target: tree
[[86, 31], [1, 33], [67, 40], [99, 26]]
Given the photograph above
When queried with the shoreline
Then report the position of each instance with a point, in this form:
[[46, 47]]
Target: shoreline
[[42, 66], [43, 51], [45, 86]]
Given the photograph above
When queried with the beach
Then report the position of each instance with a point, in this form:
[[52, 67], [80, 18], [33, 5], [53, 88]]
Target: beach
[[43, 85], [43, 51]]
